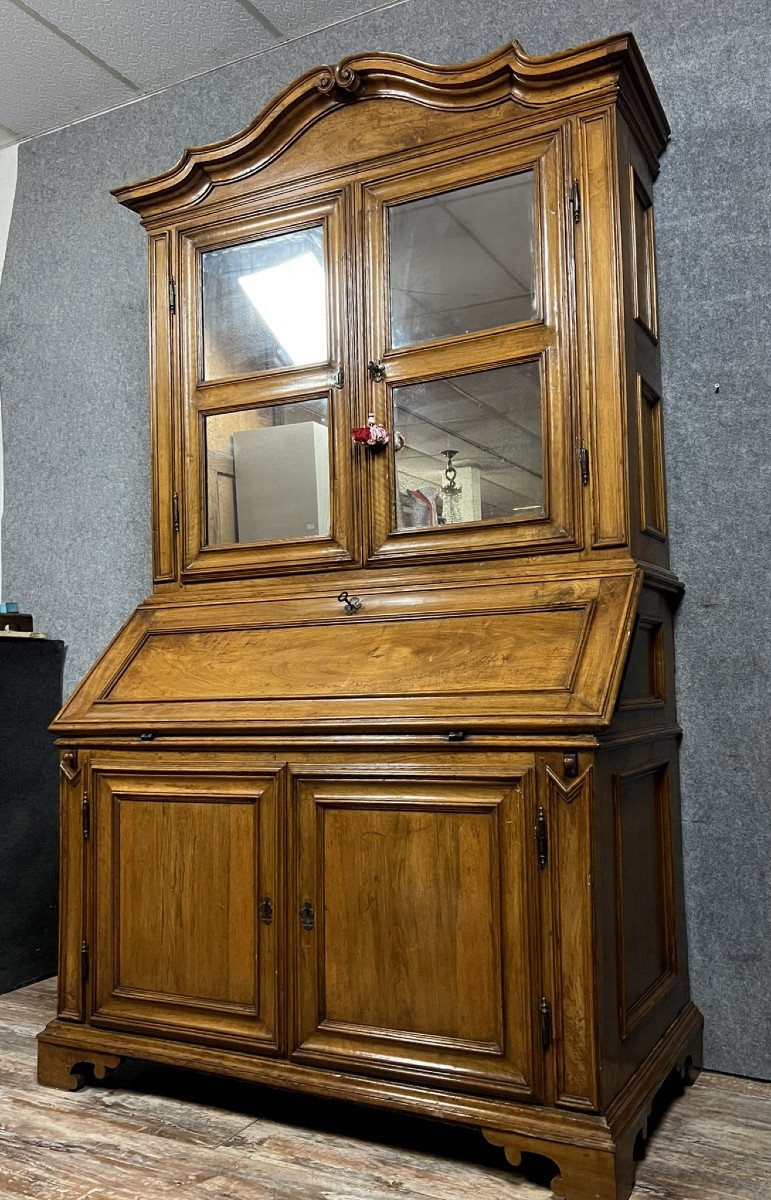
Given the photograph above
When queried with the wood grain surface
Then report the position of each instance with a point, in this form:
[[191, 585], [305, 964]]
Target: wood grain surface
[[151, 1132]]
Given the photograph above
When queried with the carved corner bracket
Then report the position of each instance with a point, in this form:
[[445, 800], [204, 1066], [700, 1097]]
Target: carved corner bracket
[[568, 791]]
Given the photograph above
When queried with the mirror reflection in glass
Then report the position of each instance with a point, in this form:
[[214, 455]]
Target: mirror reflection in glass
[[473, 448], [265, 305], [462, 261], [267, 473]]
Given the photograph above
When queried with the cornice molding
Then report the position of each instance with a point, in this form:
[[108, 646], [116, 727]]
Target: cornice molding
[[612, 67]]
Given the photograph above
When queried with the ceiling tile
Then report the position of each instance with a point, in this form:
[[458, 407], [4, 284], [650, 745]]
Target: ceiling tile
[[294, 17], [158, 42], [44, 82]]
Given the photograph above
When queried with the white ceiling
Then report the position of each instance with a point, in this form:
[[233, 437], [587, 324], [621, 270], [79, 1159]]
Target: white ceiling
[[63, 60]]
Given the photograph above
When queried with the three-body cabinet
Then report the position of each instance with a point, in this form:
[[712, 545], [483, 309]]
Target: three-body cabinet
[[376, 796]]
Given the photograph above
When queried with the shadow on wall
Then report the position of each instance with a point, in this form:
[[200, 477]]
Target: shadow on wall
[[9, 159]]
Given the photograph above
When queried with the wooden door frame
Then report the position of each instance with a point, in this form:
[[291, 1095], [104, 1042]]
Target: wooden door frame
[[546, 339], [330, 381]]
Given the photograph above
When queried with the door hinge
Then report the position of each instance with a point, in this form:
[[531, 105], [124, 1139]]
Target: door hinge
[[544, 1017], [85, 811], [172, 295], [339, 378], [85, 961], [542, 836], [583, 462], [575, 202], [175, 511]]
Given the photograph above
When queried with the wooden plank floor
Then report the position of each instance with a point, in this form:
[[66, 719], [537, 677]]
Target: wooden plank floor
[[151, 1132]]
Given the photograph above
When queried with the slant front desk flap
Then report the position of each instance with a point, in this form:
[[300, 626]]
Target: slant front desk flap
[[546, 652]]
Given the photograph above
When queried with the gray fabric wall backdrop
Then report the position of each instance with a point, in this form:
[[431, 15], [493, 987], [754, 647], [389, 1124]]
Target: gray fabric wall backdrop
[[73, 334]]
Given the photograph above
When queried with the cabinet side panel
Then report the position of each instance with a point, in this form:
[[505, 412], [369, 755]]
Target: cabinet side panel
[[161, 435], [641, 922], [601, 316]]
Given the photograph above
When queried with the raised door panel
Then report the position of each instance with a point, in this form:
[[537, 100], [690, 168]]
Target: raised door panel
[[184, 942], [414, 939]]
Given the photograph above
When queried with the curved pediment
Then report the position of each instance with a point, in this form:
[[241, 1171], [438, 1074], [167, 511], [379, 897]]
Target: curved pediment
[[603, 68]]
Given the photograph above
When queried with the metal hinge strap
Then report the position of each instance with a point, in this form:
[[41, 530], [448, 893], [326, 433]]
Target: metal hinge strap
[[85, 810], [85, 961], [544, 1015], [583, 462], [172, 295], [575, 202], [542, 836], [175, 511]]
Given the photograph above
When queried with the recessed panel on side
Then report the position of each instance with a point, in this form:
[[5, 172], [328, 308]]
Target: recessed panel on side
[[647, 937]]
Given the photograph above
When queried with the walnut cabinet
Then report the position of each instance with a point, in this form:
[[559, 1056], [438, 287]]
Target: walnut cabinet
[[376, 796]]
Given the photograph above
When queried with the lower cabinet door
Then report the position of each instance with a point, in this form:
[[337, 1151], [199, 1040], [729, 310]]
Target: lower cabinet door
[[415, 938], [184, 892]]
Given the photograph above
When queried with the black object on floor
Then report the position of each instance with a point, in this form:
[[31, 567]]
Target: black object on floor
[[30, 697]]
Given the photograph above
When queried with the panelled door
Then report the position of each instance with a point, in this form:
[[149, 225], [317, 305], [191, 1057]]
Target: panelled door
[[414, 928], [186, 901]]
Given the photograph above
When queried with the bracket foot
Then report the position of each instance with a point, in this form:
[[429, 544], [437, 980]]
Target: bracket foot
[[57, 1066]]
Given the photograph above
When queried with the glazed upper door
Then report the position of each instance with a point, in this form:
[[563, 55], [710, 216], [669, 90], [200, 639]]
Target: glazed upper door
[[266, 424], [467, 327], [414, 928], [186, 901], [436, 298]]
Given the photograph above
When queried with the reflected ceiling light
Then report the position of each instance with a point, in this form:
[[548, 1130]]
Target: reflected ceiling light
[[291, 299]]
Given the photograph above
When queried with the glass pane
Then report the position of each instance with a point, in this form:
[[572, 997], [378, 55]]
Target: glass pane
[[472, 448], [265, 305], [267, 473], [462, 260]]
